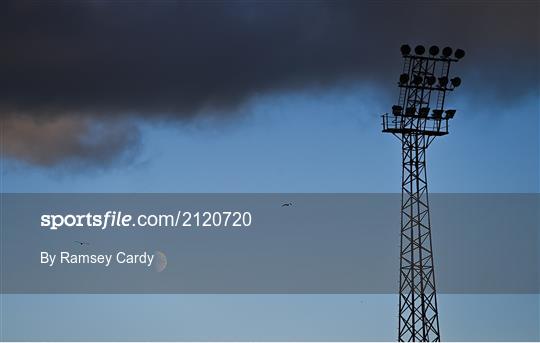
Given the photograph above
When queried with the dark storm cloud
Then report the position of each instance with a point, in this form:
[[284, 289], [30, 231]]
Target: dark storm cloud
[[175, 59]]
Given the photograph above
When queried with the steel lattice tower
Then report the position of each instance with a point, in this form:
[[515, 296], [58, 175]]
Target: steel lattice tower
[[423, 86]]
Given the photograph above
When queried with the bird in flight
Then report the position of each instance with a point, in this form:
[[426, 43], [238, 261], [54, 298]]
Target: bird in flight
[[287, 204], [82, 243]]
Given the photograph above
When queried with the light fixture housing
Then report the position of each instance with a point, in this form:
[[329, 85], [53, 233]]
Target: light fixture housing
[[397, 110], [456, 81], [405, 49], [450, 114], [443, 81], [447, 52], [433, 50], [417, 79], [419, 50], [437, 114], [403, 78], [459, 54], [423, 112], [431, 80]]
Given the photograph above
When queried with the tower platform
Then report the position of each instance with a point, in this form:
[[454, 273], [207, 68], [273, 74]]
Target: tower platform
[[415, 125]]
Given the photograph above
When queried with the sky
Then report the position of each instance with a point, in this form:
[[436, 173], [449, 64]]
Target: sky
[[258, 97], [308, 142]]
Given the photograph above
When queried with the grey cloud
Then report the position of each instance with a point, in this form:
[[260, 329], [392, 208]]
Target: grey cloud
[[170, 60], [79, 142]]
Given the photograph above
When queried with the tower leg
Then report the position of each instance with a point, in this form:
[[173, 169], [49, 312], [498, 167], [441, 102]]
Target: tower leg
[[418, 315]]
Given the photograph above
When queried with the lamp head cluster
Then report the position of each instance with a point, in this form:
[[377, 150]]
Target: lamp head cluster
[[423, 77], [423, 87], [423, 112], [429, 81], [433, 51]]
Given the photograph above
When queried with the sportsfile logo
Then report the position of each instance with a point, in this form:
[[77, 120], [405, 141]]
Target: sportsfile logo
[[118, 219], [100, 221]]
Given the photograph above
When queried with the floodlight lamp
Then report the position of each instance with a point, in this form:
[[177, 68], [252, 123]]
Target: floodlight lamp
[[405, 49], [419, 50], [423, 111], [459, 54], [396, 110], [431, 80], [456, 81], [437, 114], [409, 111], [450, 114], [447, 51], [434, 50], [443, 81], [417, 79], [403, 78]]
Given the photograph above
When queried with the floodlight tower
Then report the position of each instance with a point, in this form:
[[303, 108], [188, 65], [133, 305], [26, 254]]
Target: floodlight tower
[[423, 87]]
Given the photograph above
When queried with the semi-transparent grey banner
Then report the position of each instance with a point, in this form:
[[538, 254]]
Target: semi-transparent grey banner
[[260, 243]]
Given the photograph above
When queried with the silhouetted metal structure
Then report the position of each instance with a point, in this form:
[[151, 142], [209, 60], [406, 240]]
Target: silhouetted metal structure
[[416, 120]]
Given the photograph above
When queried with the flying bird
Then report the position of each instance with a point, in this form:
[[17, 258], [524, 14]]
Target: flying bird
[[287, 204], [82, 243]]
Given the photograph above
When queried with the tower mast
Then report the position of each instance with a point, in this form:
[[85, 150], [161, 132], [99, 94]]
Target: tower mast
[[416, 120]]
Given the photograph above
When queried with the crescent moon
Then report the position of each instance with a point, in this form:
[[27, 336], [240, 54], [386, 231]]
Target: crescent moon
[[160, 261]]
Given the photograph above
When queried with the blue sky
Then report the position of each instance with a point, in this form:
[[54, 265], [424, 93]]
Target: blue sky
[[317, 140], [258, 317]]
